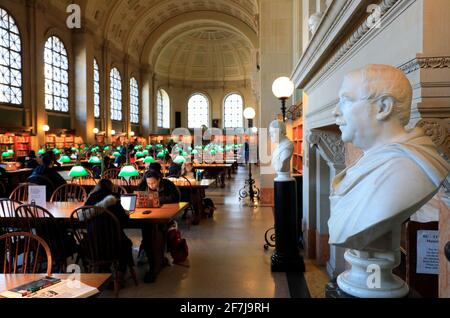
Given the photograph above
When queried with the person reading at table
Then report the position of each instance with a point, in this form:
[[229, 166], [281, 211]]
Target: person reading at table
[[188, 170], [103, 196], [168, 193], [46, 169]]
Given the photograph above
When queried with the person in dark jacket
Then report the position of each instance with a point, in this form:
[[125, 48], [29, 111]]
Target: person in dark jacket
[[167, 190], [31, 160], [46, 169], [103, 196], [168, 193]]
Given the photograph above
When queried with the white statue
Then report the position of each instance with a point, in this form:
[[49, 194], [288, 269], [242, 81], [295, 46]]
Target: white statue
[[281, 157], [399, 172]]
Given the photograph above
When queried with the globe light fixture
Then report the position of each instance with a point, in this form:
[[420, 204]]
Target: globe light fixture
[[283, 88], [249, 113], [95, 131], [46, 128], [132, 133], [113, 132]]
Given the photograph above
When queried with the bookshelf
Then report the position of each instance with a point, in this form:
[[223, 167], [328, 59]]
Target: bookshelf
[[297, 135], [60, 141], [20, 143]]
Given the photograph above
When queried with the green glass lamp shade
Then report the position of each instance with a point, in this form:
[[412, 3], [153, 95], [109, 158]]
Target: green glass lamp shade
[[41, 152], [149, 160], [184, 154], [160, 154], [94, 159], [179, 160], [74, 149], [195, 152], [190, 148], [118, 148], [166, 151], [145, 152], [106, 148], [213, 152], [116, 154], [78, 171], [149, 146], [11, 151], [56, 151], [6, 154], [139, 154], [136, 147], [159, 146], [86, 148], [73, 157], [64, 159], [128, 171]]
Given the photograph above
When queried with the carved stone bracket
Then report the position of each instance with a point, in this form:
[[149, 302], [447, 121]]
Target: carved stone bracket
[[330, 146], [425, 63], [439, 131]]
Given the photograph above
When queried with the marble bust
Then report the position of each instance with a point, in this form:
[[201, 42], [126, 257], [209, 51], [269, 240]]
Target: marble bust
[[399, 172], [281, 157]]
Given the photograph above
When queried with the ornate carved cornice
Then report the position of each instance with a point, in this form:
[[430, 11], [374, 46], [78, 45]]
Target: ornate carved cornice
[[439, 131], [330, 146], [425, 63]]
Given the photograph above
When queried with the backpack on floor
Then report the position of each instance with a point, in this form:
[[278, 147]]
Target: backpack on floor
[[209, 207]]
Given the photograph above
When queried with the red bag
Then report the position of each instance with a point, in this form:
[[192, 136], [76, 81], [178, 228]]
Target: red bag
[[176, 246]]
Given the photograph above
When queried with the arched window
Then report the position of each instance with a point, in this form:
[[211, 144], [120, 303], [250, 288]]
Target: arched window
[[116, 94], [134, 101], [232, 111], [198, 111], [10, 61], [56, 75], [96, 90], [163, 109]]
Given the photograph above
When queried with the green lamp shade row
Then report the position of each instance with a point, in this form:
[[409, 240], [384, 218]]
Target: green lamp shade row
[[6, 154], [94, 159], [149, 160], [64, 159], [106, 148], [139, 154], [179, 160], [128, 171], [41, 152], [78, 171]]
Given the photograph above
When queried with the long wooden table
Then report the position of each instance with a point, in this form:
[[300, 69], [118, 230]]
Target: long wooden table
[[9, 281], [216, 170], [163, 215]]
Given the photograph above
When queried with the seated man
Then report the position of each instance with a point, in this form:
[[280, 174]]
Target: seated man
[[47, 170]]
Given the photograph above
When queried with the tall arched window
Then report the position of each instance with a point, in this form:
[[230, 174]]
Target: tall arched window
[[56, 75], [96, 90], [163, 109], [134, 101], [10, 60], [115, 94], [232, 111], [198, 111]]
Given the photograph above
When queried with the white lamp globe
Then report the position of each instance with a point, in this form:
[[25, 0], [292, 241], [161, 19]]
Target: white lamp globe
[[254, 130], [95, 130], [249, 113], [45, 128], [283, 87]]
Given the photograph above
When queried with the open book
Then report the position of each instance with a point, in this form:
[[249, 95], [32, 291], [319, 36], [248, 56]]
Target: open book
[[61, 289]]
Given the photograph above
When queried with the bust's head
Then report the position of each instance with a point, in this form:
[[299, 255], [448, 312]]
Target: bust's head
[[373, 100], [277, 130]]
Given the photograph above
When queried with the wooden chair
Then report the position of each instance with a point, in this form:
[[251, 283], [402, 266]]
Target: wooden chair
[[20, 193], [119, 189], [99, 234], [42, 223], [131, 181], [22, 254], [7, 211], [69, 193], [111, 174]]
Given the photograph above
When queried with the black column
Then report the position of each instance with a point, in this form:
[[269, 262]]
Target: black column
[[286, 257]]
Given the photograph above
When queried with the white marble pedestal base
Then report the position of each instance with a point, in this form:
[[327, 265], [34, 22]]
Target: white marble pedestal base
[[371, 275]]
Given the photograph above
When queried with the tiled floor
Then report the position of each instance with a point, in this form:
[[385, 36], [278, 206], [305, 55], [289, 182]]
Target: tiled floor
[[226, 256]]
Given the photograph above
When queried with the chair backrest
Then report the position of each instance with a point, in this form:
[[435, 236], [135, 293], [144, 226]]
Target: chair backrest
[[119, 189], [7, 211], [23, 253], [42, 223], [98, 232], [131, 181], [69, 193], [20, 193], [111, 173]]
